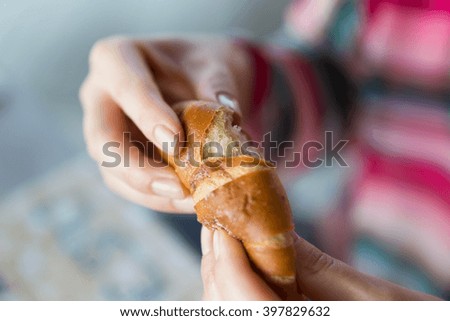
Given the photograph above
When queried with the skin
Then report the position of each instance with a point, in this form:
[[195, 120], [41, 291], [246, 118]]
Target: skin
[[227, 275], [130, 88]]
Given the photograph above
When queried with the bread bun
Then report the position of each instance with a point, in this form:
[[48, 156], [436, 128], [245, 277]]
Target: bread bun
[[236, 190]]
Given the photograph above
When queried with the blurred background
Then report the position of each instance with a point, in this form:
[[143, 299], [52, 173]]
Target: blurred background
[[63, 235]]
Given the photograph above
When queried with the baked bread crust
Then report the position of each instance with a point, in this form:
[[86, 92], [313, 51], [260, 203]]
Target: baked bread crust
[[237, 192]]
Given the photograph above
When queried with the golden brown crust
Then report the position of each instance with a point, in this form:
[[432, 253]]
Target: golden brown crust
[[254, 209], [247, 201], [216, 172], [197, 118], [247, 198]]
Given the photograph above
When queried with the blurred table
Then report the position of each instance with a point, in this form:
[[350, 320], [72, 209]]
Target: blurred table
[[66, 237]]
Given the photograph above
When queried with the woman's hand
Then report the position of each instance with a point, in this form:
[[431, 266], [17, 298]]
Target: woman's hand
[[227, 275], [126, 99]]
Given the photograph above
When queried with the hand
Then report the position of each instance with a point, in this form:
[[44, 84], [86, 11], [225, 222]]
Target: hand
[[130, 88], [227, 275]]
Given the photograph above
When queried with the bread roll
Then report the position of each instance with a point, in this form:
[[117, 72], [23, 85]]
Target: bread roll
[[236, 190]]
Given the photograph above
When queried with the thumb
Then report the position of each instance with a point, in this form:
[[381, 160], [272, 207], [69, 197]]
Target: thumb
[[215, 82], [322, 277], [226, 270]]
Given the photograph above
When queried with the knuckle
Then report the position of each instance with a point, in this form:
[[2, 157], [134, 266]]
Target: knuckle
[[318, 262], [99, 50], [103, 48], [123, 87]]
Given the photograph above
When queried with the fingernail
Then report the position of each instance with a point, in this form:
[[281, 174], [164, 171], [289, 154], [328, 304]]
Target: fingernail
[[167, 188], [185, 205], [228, 100], [166, 138], [216, 243], [206, 236]]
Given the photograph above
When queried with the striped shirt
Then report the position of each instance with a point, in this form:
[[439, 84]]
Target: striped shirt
[[376, 73]]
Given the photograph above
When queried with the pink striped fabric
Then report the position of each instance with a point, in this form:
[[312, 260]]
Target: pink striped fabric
[[399, 192]]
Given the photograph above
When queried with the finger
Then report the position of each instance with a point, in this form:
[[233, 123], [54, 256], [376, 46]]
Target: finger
[[148, 183], [210, 292], [110, 144], [121, 68], [206, 239], [322, 277], [215, 82], [233, 275], [157, 203]]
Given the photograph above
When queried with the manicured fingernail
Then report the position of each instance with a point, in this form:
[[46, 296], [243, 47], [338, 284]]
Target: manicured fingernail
[[216, 243], [167, 188], [166, 138], [228, 100], [206, 237]]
